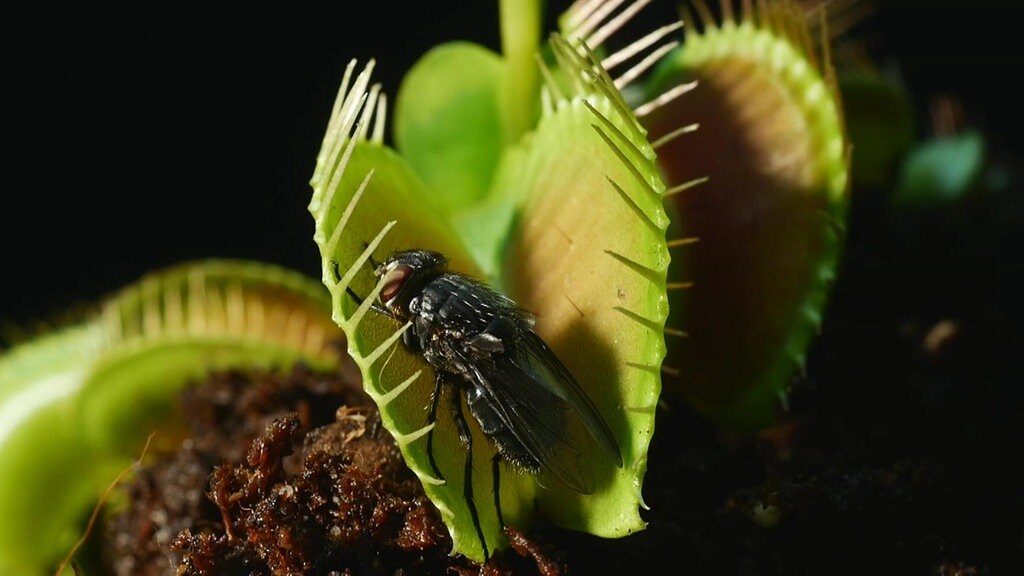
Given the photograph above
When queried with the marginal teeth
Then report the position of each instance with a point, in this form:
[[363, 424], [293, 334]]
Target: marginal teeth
[[639, 45], [591, 23]]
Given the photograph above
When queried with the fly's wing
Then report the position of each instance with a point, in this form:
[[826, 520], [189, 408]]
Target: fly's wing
[[549, 371], [530, 390]]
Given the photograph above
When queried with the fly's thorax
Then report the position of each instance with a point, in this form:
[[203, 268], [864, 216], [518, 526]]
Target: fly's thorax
[[461, 303], [436, 339]]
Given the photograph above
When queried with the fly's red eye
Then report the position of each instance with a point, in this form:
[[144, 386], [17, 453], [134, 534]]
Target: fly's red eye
[[393, 281]]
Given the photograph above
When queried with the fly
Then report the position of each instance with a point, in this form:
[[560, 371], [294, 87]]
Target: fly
[[480, 343]]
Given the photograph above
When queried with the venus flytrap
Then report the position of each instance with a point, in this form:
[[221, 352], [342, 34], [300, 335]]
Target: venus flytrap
[[768, 226], [563, 212], [77, 405], [532, 170]]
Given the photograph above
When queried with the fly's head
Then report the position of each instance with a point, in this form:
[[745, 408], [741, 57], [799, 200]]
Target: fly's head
[[405, 274]]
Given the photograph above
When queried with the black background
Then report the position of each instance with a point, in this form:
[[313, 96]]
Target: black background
[[140, 139]]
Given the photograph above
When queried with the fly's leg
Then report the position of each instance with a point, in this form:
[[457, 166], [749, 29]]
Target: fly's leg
[[372, 260], [496, 474], [467, 480], [375, 307], [435, 398], [359, 300]]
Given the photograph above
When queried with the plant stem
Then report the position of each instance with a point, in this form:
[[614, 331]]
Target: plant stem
[[520, 42]]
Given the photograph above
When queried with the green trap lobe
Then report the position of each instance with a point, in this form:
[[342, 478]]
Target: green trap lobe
[[77, 405], [581, 202], [771, 143]]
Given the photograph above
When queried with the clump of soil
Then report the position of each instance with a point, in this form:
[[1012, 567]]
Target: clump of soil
[[352, 503], [289, 474]]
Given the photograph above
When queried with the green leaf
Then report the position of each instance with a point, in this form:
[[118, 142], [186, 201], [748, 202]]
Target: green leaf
[[590, 260], [768, 224], [48, 473], [881, 126], [76, 406], [176, 325], [941, 171], [589, 257], [448, 124]]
